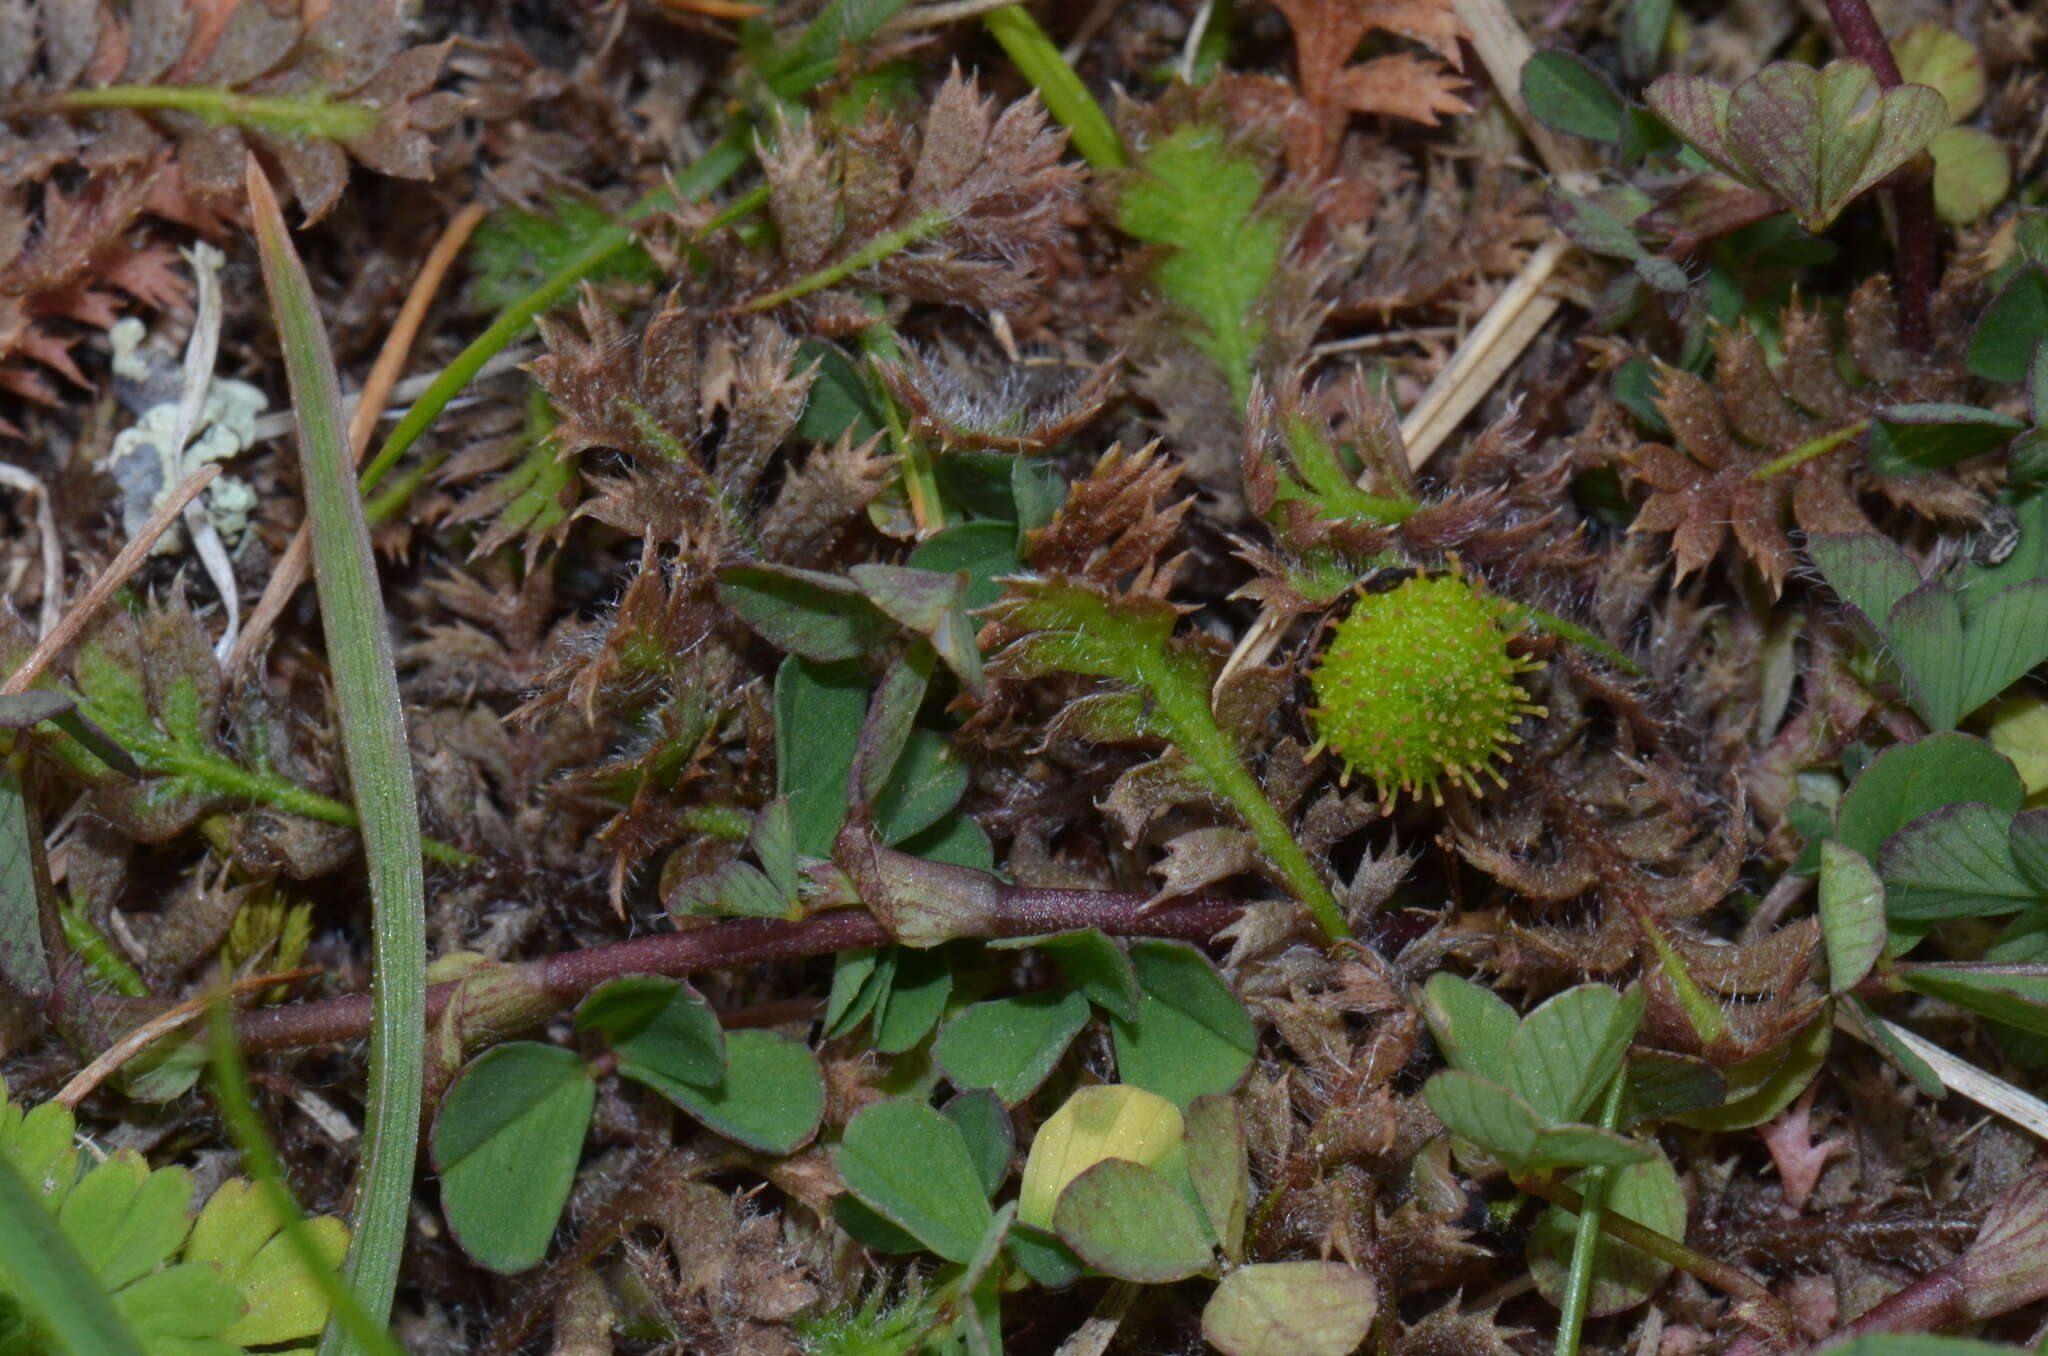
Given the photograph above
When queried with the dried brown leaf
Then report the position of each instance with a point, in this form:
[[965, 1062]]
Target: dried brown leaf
[[1403, 84], [959, 209], [1755, 449]]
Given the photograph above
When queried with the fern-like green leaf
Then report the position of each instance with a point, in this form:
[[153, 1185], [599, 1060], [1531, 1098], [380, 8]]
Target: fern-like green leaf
[[1196, 196], [1067, 626], [213, 1286]]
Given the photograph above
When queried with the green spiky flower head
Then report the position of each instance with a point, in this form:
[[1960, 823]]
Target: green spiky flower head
[[1418, 687]]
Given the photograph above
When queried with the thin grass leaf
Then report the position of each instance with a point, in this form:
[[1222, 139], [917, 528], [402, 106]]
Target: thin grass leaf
[[1058, 84], [1571, 1316], [604, 248], [380, 771], [48, 1276]]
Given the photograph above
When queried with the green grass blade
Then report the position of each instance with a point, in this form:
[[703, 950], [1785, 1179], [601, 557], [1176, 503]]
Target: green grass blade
[[380, 771], [718, 165], [46, 1273], [1066, 98], [259, 1161], [602, 248]]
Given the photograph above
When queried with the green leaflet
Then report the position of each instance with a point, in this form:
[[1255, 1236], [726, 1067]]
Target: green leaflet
[[1959, 639], [1291, 1309], [506, 1141], [1191, 1037], [1519, 1088], [911, 1165]]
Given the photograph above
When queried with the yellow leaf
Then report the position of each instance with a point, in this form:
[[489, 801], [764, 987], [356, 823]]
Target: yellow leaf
[[239, 1233], [1094, 1124], [284, 1300], [2019, 730], [1929, 54]]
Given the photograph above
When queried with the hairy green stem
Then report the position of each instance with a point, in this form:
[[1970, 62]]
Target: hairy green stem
[[1198, 736], [878, 342], [373, 738], [727, 823], [1575, 634], [1808, 450], [884, 246], [745, 205], [166, 757], [380, 507], [1073, 628], [101, 958], [286, 115], [1578, 1285]]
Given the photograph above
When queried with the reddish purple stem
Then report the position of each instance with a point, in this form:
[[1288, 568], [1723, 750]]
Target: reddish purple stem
[[1912, 192], [568, 977]]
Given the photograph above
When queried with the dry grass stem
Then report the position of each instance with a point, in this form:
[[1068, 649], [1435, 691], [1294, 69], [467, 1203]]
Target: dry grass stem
[[109, 582], [163, 1024], [369, 407]]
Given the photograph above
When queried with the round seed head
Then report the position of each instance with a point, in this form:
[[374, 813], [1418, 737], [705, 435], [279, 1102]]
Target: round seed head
[[1418, 687]]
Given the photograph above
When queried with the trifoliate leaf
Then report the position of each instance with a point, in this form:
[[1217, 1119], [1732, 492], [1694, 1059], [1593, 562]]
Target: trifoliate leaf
[[1815, 139]]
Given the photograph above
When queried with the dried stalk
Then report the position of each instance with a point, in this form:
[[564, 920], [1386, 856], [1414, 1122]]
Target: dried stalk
[[163, 1024], [110, 581]]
